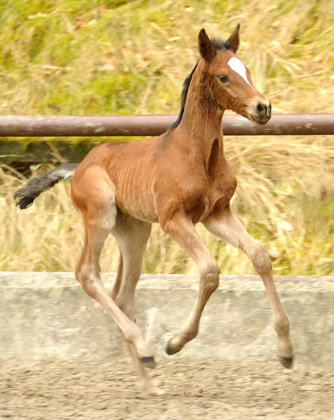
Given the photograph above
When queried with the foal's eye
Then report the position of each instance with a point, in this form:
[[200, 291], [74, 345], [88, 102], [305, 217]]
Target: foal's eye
[[223, 78]]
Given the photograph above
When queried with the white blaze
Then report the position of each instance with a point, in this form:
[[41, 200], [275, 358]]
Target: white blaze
[[239, 67]]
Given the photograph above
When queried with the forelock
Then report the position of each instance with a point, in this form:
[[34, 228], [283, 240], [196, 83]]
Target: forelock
[[220, 44]]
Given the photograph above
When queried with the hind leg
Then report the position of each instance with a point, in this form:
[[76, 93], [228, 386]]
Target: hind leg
[[132, 236], [93, 194]]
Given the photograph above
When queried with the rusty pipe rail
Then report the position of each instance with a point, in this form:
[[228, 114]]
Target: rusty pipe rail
[[151, 125]]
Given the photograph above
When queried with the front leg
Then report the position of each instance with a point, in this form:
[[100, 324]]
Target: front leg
[[226, 226], [184, 233]]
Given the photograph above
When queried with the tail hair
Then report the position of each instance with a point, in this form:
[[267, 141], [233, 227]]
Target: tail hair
[[25, 196]]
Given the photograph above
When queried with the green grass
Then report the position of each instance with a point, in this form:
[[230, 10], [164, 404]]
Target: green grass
[[131, 57]]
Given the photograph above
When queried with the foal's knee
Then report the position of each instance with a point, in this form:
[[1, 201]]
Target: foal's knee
[[209, 273], [261, 259]]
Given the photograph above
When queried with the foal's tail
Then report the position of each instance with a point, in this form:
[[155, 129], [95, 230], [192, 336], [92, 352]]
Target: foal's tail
[[25, 196]]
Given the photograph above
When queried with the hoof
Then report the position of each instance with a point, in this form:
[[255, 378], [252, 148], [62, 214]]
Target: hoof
[[170, 349], [286, 361], [148, 362]]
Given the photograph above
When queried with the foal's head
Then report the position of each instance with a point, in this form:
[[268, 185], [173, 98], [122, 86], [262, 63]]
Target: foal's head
[[227, 79]]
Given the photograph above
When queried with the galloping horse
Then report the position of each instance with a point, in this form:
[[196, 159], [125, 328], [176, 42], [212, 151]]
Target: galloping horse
[[178, 179]]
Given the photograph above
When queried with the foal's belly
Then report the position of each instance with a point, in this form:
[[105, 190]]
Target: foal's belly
[[139, 210], [137, 201]]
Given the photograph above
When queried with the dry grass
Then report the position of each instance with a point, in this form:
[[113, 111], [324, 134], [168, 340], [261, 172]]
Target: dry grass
[[131, 57]]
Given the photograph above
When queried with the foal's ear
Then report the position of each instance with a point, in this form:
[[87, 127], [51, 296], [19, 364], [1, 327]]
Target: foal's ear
[[205, 46], [233, 41]]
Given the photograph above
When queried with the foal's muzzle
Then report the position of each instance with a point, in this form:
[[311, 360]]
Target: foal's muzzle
[[261, 112]]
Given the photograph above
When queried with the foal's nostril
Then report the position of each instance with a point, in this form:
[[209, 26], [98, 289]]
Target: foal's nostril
[[261, 108]]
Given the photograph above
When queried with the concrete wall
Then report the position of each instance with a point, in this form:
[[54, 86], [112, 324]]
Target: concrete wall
[[46, 315]]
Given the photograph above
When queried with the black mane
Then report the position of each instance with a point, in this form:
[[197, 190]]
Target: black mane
[[185, 88], [219, 44]]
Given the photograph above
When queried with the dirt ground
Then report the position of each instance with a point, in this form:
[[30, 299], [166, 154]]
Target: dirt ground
[[59, 390]]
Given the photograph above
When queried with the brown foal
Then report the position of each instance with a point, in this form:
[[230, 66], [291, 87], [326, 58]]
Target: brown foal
[[178, 179]]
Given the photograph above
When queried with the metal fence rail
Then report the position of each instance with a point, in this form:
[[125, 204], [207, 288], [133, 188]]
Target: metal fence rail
[[152, 125]]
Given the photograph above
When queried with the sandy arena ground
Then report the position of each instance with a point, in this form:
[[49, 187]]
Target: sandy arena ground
[[59, 390]]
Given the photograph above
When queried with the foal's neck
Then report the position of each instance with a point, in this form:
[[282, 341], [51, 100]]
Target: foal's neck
[[201, 123]]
